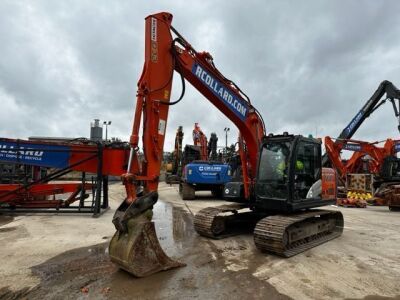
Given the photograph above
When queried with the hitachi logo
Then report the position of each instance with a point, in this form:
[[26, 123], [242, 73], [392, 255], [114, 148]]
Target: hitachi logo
[[10, 150], [235, 104]]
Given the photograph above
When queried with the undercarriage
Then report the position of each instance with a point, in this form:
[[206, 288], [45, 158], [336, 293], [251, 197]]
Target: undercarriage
[[281, 234]]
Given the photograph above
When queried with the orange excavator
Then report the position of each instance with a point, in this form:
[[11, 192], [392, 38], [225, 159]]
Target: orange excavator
[[386, 92], [382, 164], [283, 180], [377, 154], [200, 140]]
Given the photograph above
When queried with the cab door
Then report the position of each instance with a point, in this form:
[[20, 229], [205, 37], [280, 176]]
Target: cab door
[[306, 168]]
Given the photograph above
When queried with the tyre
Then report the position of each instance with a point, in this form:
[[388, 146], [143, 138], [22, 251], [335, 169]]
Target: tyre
[[187, 191]]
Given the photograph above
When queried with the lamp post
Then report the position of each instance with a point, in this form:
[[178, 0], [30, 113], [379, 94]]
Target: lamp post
[[226, 129], [107, 123]]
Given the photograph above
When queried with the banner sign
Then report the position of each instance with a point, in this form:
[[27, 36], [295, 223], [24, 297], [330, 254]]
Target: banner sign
[[52, 156], [232, 101], [352, 147]]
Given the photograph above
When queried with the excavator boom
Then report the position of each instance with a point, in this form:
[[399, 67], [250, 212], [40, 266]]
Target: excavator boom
[[373, 103]]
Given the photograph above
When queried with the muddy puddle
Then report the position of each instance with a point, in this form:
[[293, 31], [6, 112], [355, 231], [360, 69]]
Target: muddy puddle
[[7, 229], [87, 273], [5, 219]]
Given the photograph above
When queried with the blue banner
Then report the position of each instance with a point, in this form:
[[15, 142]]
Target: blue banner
[[52, 156], [397, 147], [232, 101], [354, 122], [352, 147]]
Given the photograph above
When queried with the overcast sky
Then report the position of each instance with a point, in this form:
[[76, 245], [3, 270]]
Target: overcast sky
[[308, 66]]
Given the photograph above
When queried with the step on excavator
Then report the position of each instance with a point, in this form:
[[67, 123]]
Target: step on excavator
[[283, 179]]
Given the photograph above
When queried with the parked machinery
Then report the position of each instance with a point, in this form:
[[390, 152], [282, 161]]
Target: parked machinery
[[174, 175], [212, 147], [200, 141], [385, 88], [62, 157], [282, 174], [382, 160], [200, 172], [377, 155], [380, 171]]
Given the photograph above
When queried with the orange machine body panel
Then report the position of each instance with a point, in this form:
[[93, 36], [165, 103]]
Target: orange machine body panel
[[329, 184], [360, 148]]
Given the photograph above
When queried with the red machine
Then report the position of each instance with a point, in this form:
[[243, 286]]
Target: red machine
[[62, 157], [361, 149], [382, 167], [200, 140], [282, 174], [37, 195], [382, 159], [385, 88]]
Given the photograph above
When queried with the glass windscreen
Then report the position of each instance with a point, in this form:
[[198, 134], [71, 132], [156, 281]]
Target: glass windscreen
[[273, 170], [307, 178]]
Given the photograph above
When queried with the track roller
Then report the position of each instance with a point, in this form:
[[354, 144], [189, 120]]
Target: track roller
[[288, 235]]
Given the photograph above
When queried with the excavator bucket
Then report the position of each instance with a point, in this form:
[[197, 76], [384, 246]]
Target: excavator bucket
[[135, 247]]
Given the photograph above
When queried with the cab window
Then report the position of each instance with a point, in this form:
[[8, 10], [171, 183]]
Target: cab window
[[307, 169]]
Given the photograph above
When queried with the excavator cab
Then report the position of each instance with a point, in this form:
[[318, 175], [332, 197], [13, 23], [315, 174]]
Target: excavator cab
[[289, 174], [390, 170]]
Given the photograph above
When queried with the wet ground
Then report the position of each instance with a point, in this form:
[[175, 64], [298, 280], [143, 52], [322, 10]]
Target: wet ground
[[363, 263], [84, 272]]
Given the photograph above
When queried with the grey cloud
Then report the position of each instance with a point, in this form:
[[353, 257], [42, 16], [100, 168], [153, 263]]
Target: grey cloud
[[307, 66]]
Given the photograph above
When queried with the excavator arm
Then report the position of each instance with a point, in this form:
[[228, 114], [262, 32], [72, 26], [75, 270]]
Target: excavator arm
[[164, 55], [135, 246], [392, 94], [385, 88]]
